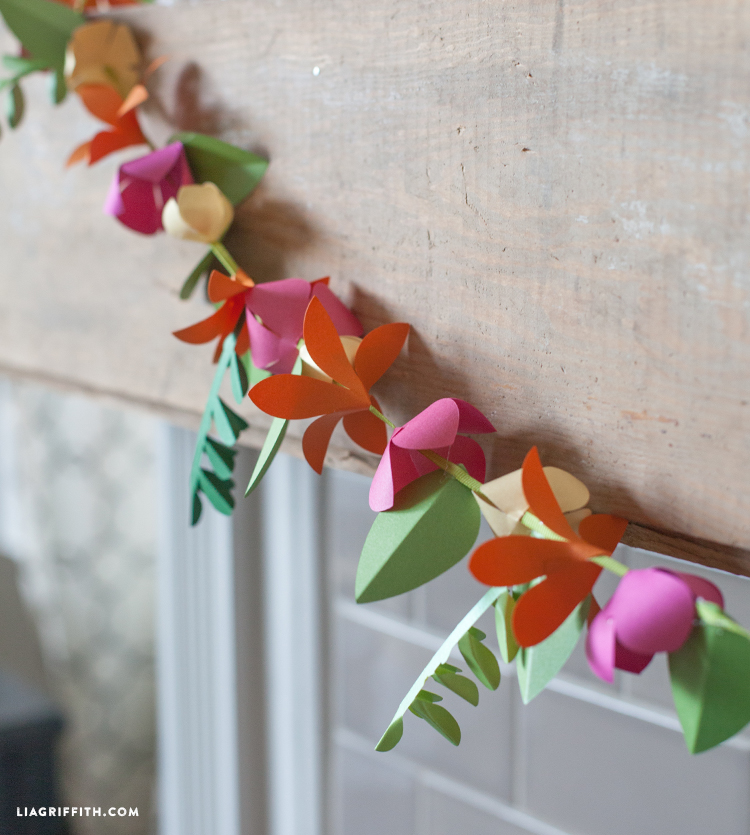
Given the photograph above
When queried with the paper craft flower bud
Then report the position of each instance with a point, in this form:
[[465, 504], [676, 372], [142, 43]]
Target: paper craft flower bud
[[142, 186], [651, 611], [198, 213], [103, 52]]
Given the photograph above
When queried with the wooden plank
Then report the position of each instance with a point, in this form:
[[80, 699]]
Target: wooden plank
[[554, 194]]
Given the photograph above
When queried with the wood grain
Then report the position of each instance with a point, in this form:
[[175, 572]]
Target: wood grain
[[554, 195]]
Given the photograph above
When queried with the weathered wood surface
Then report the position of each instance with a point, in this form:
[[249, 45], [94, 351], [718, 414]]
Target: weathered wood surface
[[554, 194]]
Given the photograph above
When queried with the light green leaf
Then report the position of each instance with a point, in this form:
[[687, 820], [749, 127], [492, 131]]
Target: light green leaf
[[439, 718], [710, 676], [234, 171], [228, 423], [15, 106], [255, 375], [433, 524], [43, 27], [392, 736], [200, 269], [238, 378], [221, 458], [217, 491], [20, 66], [506, 641], [538, 665], [480, 660], [448, 676]]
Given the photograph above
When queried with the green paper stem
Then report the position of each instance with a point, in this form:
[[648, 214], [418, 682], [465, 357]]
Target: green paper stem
[[611, 565], [440, 657], [382, 417], [224, 257]]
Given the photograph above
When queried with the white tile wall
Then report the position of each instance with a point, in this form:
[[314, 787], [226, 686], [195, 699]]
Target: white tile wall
[[584, 758]]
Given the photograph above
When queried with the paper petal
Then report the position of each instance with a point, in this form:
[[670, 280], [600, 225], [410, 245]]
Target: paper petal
[[394, 472], [512, 560], [281, 305], [378, 352], [345, 322], [603, 531], [316, 439], [631, 662], [600, 647], [702, 588], [325, 348], [367, 431], [221, 287], [294, 397], [541, 499], [467, 451], [433, 428]]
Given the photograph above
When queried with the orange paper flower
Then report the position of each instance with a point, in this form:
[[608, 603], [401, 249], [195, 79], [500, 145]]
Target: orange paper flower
[[231, 291], [565, 564], [105, 103], [294, 397]]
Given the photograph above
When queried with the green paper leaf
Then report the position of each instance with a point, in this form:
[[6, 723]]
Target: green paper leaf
[[538, 665], [43, 27], [238, 378], [20, 66], [255, 375], [58, 87], [460, 685], [217, 491], [427, 696], [392, 736], [196, 509], [200, 269], [221, 458], [506, 641], [433, 524], [228, 423], [271, 446], [710, 676], [235, 172], [479, 659], [15, 106], [439, 718]]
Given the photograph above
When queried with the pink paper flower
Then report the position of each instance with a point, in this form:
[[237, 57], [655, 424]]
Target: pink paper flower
[[142, 186], [651, 611], [436, 428], [280, 306]]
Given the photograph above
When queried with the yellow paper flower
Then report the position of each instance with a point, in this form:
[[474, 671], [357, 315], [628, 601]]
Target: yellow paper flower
[[103, 52], [199, 213]]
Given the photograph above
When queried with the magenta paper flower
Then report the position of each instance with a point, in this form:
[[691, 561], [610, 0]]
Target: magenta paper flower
[[142, 186], [280, 306], [652, 610], [436, 428]]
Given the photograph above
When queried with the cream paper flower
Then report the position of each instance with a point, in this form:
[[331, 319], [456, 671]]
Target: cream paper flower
[[198, 213], [103, 52]]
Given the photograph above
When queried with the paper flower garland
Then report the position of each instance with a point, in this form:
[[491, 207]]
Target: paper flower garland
[[299, 353]]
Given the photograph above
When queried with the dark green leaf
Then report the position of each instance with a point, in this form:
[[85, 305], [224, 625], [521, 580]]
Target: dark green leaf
[[439, 718], [15, 106], [228, 423], [460, 685], [392, 736], [504, 606], [196, 509], [479, 659], [221, 458], [432, 526], [238, 377], [710, 676], [538, 665], [427, 696], [43, 27], [235, 172], [200, 269], [58, 87], [217, 491]]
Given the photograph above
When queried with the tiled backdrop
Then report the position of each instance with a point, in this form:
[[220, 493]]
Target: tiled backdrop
[[583, 758]]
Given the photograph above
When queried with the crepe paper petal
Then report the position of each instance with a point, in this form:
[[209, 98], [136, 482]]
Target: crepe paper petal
[[710, 677], [538, 665], [702, 588], [543, 608], [235, 172], [506, 641], [433, 525], [294, 398], [43, 28], [136, 97], [367, 431], [281, 306], [653, 611], [103, 52], [602, 531], [345, 322], [541, 499], [221, 322], [479, 659], [316, 439], [198, 213], [378, 352], [325, 348], [222, 287], [142, 186]]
